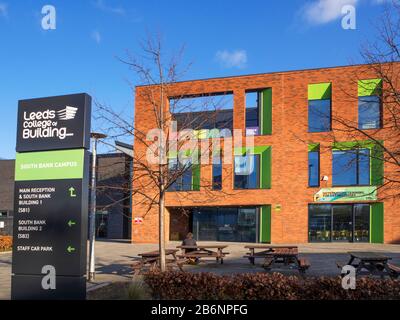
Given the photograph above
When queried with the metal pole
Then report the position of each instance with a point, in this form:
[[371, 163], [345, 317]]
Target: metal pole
[[92, 220]]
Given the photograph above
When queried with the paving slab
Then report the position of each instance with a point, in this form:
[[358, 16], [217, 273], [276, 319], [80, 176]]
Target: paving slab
[[113, 260]]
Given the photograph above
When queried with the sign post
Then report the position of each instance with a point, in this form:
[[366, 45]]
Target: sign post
[[51, 198]]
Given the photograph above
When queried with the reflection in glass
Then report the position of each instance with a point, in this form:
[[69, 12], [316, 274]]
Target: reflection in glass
[[342, 225], [369, 112], [319, 223], [225, 224], [319, 115], [361, 222]]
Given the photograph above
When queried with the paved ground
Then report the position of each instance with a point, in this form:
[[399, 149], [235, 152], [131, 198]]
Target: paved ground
[[113, 260]]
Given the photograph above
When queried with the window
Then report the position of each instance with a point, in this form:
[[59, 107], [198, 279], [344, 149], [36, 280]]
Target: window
[[259, 112], [313, 168], [319, 107], [319, 223], [319, 115], [247, 172], [205, 112], [183, 174], [339, 222], [226, 224], [351, 167], [369, 112], [217, 173], [253, 100]]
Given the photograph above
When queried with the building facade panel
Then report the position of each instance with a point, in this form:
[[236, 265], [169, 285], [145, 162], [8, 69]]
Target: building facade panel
[[289, 196]]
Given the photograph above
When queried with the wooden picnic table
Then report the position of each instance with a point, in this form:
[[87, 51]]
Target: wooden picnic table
[[151, 260], [264, 251], [369, 263], [204, 251], [273, 255]]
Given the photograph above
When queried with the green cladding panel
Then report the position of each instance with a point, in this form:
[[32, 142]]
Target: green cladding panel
[[265, 224], [266, 165], [319, 91], [313, 147], [376, 227], [196, 177], [369, 87], [49, 165], [266, 114]]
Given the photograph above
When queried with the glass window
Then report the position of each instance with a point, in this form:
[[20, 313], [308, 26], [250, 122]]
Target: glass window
[[225, 224], [217, 173], [319, 115], [253, 100], [351, 167], [341, 222], [313, 169], [361, 222], [369, 112], [182, 172], [319, 223], [203, 112], [247, 170]]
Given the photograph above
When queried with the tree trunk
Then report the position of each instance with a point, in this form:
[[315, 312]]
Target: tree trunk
[[161, 210]]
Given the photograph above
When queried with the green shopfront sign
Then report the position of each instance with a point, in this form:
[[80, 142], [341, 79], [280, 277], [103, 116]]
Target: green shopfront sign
[[346, 194], [49, 165]]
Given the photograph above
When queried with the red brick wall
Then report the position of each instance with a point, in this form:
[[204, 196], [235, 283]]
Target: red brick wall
[[289, 149]]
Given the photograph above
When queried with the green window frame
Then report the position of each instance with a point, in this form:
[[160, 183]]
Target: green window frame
[[318, 96], [265, 162], [376, 157]]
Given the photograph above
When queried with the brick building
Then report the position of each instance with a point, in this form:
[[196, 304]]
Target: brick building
[[311, 181]]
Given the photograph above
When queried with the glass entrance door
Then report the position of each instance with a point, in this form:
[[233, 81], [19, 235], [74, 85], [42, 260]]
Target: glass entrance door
[[342, 223]]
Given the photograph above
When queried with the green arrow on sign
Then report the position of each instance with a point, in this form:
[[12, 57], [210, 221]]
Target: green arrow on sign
[[71, 223], [72, 193], [70, 249]]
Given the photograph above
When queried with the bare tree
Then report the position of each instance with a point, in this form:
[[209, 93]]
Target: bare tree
[[172, 128], [381, 58]]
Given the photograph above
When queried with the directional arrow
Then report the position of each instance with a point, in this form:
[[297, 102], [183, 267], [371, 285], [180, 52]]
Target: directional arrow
[[70, 249], [71, 223], [72, 192]]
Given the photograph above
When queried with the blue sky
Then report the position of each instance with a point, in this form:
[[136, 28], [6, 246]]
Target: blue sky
[[222, 38]]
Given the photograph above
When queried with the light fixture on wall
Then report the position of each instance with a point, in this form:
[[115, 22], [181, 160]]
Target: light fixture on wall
[[324, 178]]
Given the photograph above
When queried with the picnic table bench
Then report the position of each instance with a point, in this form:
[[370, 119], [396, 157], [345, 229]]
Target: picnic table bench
[[150, 261], [204, 251], [371, 263], [265, 251], [273, 255]]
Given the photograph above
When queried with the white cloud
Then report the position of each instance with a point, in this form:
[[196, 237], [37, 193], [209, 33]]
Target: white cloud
[[3, 9], [96, 36], [232, 59], [101, 4], [324, 11]]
